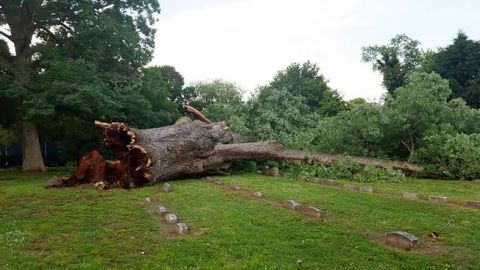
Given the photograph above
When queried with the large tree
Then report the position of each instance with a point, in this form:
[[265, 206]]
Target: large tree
[[459, 63], [394, 60], [218, 91], [71, 58], [418, 108], [161, 86], [305, 80]]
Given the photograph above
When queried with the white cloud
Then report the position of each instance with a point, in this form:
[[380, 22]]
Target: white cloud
[[248, 41]]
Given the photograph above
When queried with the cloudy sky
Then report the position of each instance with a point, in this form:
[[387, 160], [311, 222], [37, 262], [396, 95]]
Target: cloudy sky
[[248, 41]]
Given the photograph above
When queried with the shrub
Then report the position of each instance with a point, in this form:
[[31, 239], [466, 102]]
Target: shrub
[[454, 156], [372, 174], [345, 168]]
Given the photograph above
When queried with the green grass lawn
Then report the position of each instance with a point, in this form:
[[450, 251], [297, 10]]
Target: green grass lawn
[[460, 190], [84, 228]]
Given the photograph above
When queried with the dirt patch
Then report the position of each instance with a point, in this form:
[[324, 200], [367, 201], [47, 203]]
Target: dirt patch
[[425, 245]]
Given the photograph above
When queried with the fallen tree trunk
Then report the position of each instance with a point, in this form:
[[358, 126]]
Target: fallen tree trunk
[[184, 150]]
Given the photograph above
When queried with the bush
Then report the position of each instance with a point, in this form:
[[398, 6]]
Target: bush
[[342, 169], [454, 156], [372, 174]]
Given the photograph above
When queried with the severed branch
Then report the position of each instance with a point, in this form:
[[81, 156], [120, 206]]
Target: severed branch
[[196, 113]]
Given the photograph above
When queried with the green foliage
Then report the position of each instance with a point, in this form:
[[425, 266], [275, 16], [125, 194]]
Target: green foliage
[[6, 136], [455, 156], [84, 62], [215, 92], [394, 60], [459, 63], [161, 85], [304, 80], [344, 169], [418, 107], [357, 131], [372, 174], [278, 115]]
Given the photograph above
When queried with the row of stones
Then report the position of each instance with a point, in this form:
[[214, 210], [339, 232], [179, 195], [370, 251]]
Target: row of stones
[[180, 227], [290, 204], [406, 195], [398, 239]]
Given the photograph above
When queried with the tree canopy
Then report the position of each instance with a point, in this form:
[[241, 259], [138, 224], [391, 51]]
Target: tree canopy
[[73, 58], [459, 63], [394, 60]]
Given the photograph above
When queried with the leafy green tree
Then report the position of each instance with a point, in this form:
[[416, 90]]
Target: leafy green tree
[[418, 108], [279, 115], [394, 60], [203, 94], [161, 85], [73, 58], [459, 63], [305, 80], [357, 131], [461, 118]]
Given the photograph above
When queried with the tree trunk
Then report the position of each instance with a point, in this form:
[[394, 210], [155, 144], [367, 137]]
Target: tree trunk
[[31, 151], [185, 150], [20, 17]]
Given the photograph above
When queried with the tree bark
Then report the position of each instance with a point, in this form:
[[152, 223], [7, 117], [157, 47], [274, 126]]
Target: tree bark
[[31, 153], [20, 17], [184, 150]]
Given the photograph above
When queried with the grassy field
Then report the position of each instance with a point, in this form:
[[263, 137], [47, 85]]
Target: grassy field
[[460, 190], [84, 228]]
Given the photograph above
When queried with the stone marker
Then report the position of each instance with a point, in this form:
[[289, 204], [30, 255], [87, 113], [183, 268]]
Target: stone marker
[[216, 182], [162, 210], [401, 240], [350, 187], [313, 212], [438, 199], [410, 196], [293, 204], [209, 179], [235, 187], [316, 180], [330, 182], [366, 189], [147, 200], [273, 171], [167, 188], [171, 218], [474, 204], [181, 228], [257, 194]]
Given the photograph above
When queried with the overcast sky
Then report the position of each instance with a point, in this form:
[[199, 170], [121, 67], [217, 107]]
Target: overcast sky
[[248, 41]]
